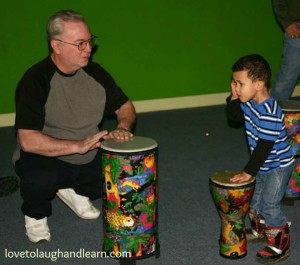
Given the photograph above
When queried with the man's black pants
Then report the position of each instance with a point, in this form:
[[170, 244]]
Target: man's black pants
[[41, 177]]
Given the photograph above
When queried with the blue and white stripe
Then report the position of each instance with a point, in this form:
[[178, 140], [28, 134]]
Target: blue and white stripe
[[266, 121]]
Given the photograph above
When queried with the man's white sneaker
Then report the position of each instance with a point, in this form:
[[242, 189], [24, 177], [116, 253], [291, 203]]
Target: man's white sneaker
[[37, 230], [81, 205]]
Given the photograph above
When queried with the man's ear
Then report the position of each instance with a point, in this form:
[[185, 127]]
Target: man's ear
[[56, 47]]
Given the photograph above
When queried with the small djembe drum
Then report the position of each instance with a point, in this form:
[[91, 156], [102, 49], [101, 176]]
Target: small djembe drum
[[291, 110], [130, 198], [232, 201]]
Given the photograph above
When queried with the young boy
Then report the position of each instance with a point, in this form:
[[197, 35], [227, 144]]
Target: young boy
[[271, 160]]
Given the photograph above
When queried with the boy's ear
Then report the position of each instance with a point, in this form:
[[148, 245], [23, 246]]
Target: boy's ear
[[259, 84]]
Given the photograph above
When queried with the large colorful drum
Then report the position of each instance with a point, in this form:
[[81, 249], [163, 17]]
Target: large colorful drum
[[130, 198], [232, 201], [291, 110]]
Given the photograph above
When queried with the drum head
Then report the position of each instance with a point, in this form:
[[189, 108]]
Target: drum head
[[290, 105], [223, 179], [135, 144]]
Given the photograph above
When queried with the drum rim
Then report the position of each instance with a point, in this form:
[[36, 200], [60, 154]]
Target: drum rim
[[155, 149], [114, 149], [229, 187]]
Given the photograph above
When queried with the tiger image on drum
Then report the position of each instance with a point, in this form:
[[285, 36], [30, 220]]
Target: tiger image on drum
[[232, 201]]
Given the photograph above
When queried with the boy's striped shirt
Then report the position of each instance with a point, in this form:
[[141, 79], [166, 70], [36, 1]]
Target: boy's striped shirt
[[266, 121]]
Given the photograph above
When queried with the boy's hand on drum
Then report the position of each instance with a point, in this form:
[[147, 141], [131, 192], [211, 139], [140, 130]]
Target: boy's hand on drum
[[242, 177]]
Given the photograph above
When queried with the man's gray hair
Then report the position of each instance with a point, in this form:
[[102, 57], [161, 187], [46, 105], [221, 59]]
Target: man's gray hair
[[55, 22]]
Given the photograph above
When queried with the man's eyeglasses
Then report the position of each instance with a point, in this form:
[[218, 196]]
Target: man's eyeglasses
[[82, 45]]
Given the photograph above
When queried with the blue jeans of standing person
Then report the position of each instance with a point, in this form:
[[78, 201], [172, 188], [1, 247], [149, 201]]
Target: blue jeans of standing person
[[269, 191], [289, 71]]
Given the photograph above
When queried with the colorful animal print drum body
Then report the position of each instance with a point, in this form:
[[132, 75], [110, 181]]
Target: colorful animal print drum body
[[232, 201], [130, 197], [291, 110]]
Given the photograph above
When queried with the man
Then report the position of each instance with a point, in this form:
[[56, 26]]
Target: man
[[60, 102], [288, 15]]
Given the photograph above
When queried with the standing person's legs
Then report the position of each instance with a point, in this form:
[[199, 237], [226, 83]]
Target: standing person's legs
[[276, 226], [274, 190], [256, 232], [258, 190], [289, 71]]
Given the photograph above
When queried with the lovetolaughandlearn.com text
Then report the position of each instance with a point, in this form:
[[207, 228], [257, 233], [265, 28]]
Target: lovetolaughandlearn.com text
[[54, 255]]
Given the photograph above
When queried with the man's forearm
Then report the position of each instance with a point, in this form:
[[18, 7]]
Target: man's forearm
[[39, 143], [126, 116]]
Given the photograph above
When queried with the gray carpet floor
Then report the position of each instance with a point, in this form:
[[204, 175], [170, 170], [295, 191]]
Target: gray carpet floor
[[193, 144]]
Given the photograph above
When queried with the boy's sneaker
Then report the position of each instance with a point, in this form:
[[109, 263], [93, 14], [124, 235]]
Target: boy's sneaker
[[37, 230], [254, 237], [81, 205]]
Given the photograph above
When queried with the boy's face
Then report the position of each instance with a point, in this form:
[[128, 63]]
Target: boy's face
[[244, 87]]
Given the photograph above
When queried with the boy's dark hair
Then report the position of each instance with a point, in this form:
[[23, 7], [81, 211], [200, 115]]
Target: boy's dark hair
[[256, 66]]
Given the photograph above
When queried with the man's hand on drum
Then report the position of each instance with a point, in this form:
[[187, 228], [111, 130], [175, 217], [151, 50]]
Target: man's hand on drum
[[89, 143], [120, 134], [242, 177], [126, 118]]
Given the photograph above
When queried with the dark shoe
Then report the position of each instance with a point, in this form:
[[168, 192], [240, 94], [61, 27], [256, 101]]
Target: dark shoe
[[8, 185]]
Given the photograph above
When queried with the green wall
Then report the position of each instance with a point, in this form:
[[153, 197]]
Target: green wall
[[153, 48]]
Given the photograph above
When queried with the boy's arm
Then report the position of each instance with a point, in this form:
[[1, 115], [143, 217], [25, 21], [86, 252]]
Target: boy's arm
[[257, 159], [259, 156], [233, 110]]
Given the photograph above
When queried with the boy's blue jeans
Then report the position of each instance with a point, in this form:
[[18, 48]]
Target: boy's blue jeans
[[269, 191]]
